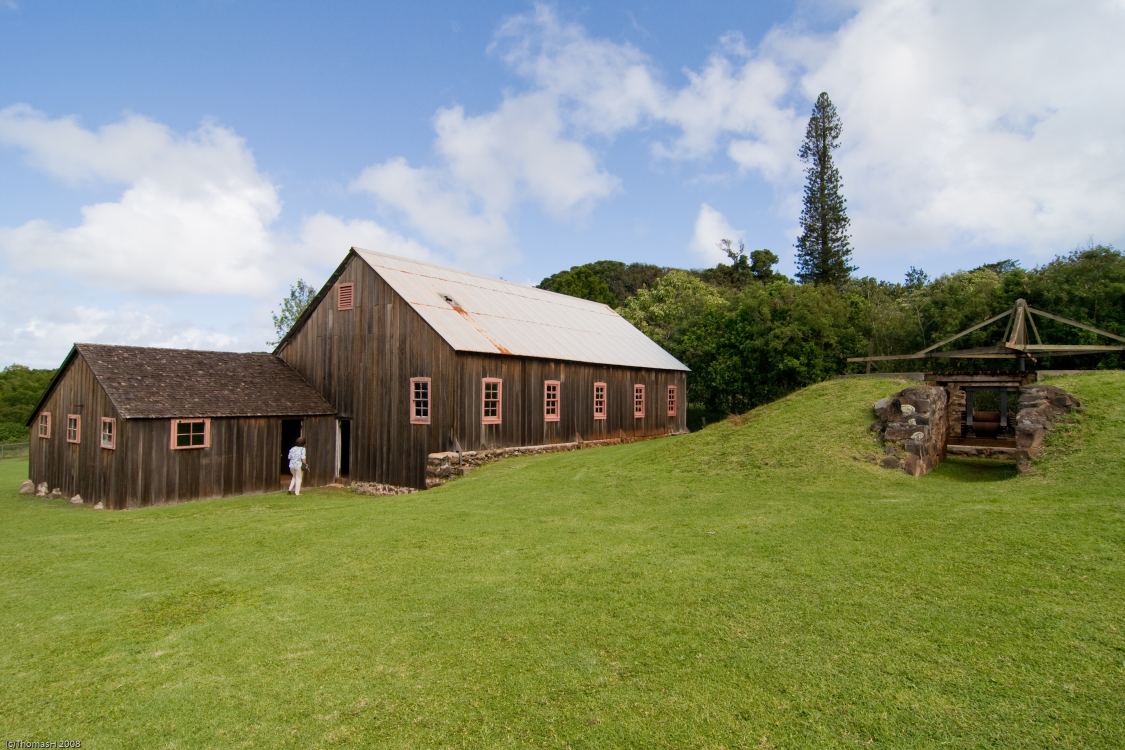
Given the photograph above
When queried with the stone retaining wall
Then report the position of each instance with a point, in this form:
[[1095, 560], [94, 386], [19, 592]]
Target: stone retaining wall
[[913, 426], [1041, 407], [442, 467]]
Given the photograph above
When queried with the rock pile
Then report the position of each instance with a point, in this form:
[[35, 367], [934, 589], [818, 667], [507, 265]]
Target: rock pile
[[382, 490], [912, 425]]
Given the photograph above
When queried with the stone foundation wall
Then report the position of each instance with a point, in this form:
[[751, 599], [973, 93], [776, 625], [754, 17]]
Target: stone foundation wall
[[442, 467], [1041, 407], [913, 426], [955, 412]]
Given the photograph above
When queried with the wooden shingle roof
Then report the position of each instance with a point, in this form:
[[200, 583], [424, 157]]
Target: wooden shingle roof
[[145, 382]]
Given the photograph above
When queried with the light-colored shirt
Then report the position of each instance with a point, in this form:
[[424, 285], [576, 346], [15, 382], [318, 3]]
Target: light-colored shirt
[[296, 456]]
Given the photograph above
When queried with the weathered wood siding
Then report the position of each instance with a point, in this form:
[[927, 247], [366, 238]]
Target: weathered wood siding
[[362, 360], [244, 456], [83, 468], [523, 421]]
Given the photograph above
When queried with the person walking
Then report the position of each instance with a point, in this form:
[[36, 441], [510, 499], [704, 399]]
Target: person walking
[[297, 465]]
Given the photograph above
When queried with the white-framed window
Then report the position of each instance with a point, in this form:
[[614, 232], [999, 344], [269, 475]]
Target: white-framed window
[[45, 424], [599, 400]]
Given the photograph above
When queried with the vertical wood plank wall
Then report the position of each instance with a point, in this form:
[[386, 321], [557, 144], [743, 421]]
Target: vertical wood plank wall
[[361, 360], [244, 456], [84, 468]]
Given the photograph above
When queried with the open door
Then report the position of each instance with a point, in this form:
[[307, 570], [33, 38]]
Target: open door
[[343, 448], [290, 431]]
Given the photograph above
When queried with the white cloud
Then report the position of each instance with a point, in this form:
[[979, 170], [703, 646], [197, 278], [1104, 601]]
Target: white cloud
[[437, 208], [194, 215], [710, 227], [607, 87], [979, 124], [326, 236], [521, 148], [965, 124]]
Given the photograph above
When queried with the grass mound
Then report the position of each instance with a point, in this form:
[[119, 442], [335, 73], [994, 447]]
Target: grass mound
[[751, 585]]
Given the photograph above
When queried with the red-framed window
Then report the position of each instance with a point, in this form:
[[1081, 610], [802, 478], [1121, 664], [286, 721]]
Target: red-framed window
[[671, 401], [638, 401], [191, 433], [599, 400], [109, 433], [419, 401], [491, 400], [45, 424], [345, 296], [74, 428], [551, 390]]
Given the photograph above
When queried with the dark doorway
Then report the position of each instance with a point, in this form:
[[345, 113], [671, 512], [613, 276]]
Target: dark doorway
[[343, 447], [290, 431]]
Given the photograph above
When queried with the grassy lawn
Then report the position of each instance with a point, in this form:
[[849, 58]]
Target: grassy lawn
[[752, 585]]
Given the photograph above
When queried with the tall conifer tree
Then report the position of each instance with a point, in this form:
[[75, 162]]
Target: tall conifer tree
[[824, 249]]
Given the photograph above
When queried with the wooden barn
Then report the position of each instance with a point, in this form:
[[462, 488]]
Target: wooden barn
[[393, 360], [418, 359], [131, 426]]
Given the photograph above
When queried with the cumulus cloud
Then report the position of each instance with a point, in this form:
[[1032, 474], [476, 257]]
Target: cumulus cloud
[[194, 215], [436, 207], [965, 124], [710, 227], [976, 123], [326, 236], [191, 232]]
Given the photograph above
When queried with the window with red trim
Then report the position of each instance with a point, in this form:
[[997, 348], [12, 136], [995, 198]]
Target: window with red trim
[[671, 401], [599, 400], [73, 428], [550, 401], [638, 401], [109, 433], [191, 433], [419, 401], [45, 424], [492, 394], [345, 296]]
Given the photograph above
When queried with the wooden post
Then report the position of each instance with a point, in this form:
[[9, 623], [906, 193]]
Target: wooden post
[[1004, 410], [968, 431]]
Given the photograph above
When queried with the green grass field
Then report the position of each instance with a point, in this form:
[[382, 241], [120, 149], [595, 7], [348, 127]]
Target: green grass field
[[752, 585]]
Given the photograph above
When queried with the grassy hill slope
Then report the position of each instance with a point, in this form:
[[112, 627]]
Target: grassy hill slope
[[751, 585]]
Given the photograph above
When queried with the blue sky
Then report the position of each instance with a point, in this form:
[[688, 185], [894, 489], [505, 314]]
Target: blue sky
[[167, 168]]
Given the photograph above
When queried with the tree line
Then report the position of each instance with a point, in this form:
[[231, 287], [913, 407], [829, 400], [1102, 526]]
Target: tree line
[[751, 335]]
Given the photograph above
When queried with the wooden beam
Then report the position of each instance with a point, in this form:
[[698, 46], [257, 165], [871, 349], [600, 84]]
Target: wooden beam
[[1079, 348], [1018, 336], [1034, 328], [887, 357], [1076, 324], [965, 332]]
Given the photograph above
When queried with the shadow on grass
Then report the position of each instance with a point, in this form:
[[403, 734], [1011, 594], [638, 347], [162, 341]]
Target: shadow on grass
[[961, 469]]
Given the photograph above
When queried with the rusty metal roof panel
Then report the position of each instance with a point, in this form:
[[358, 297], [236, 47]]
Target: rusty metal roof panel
[[480, 314]]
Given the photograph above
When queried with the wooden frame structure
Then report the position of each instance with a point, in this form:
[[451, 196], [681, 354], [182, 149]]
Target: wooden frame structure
[[1015, 344]]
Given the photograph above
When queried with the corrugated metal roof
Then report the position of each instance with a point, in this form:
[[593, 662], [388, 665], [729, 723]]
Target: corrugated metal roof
[[478, 314]]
